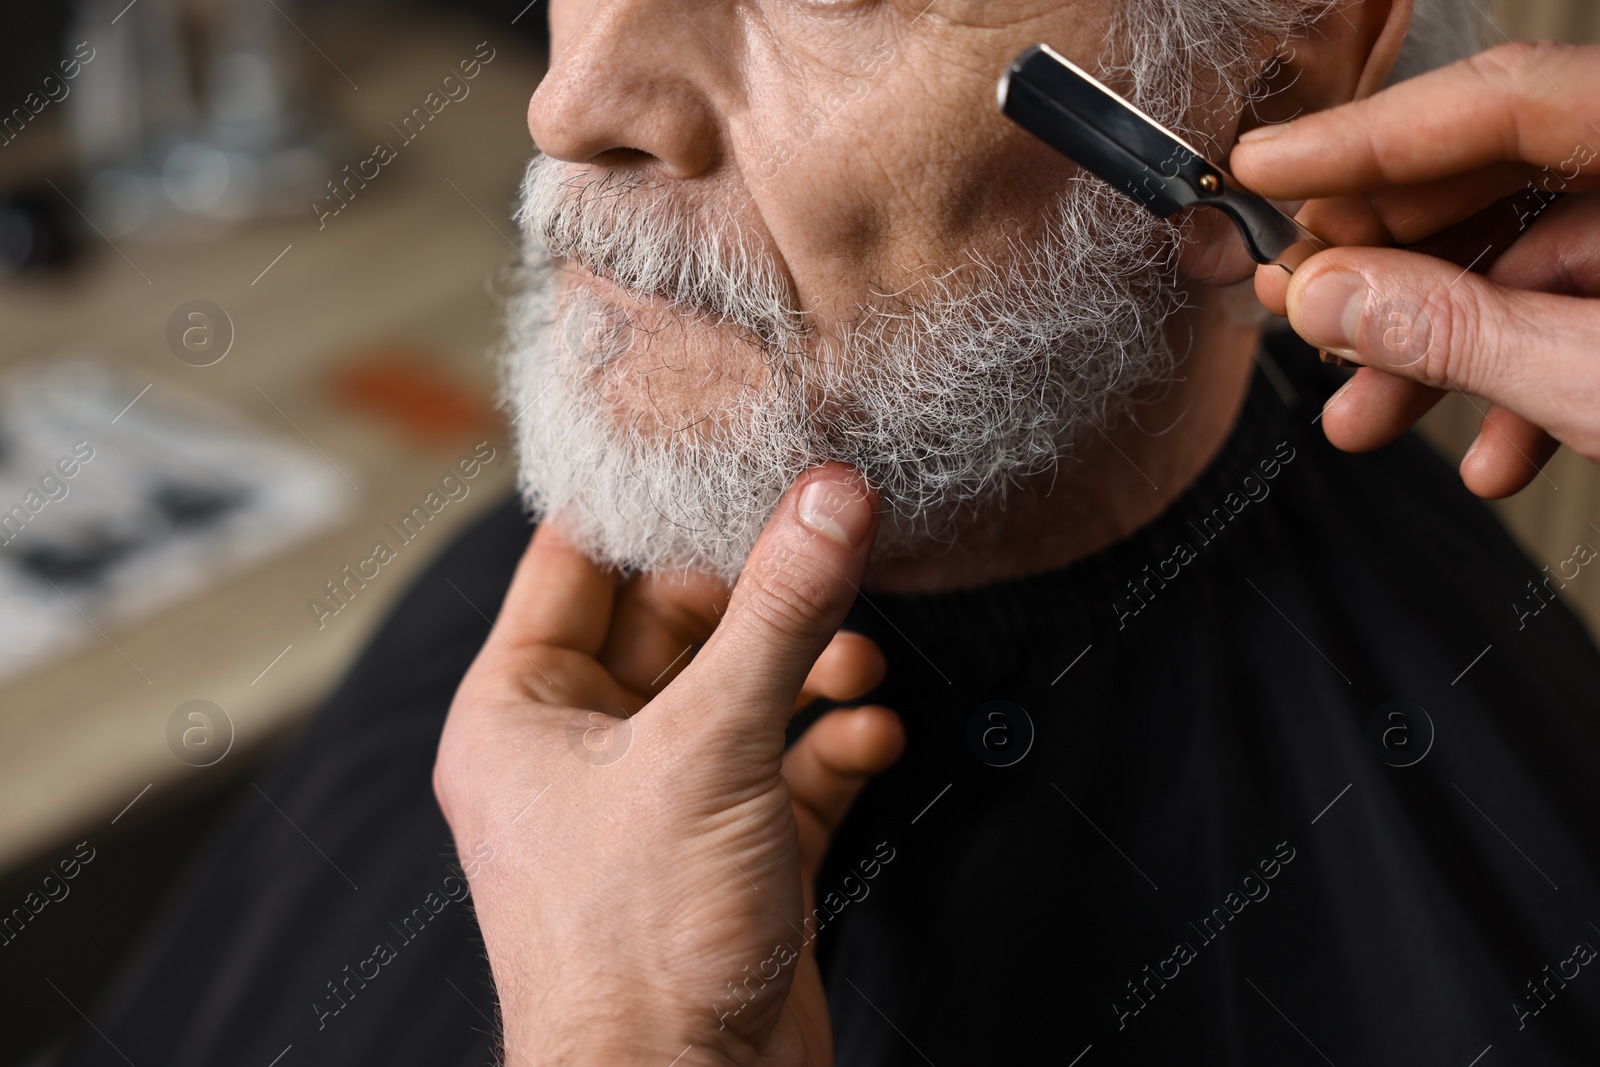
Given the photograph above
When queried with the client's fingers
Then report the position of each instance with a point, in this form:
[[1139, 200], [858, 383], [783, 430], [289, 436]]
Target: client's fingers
[[789, 602], [658, 621], [829, 766], [558, 596], [850, 667]]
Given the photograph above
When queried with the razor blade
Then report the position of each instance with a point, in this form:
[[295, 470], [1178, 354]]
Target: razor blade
[[1072, 111]]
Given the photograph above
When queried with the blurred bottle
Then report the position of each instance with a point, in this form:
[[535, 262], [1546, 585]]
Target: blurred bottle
[[38, 232], [191, 115]]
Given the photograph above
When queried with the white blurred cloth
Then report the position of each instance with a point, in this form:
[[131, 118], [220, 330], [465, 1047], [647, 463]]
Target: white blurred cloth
[[177, 493]]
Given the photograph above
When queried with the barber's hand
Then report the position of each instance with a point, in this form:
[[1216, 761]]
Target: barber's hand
[[1408, 162], [644, 846]]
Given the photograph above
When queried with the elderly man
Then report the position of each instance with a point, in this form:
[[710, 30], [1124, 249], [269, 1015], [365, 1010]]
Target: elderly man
[[1188, 736]]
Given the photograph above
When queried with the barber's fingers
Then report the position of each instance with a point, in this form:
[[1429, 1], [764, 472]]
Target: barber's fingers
[[1373, 408], [1345, 221], [1508, 454], [1433, 323], [1409, 214], [1534, 103], [1560, 253], [796, 587], [850, 667], [830, 764], [1405, 215]]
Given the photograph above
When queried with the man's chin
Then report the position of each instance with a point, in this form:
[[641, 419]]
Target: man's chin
[[628, 461]]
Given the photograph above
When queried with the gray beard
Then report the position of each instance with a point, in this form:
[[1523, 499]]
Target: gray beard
[[945, 397]]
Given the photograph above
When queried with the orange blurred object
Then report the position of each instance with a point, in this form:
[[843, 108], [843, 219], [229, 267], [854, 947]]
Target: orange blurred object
[[405, 386]]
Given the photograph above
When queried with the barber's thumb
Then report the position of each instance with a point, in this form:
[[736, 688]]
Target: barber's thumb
[[1407, 314], [795, 589]]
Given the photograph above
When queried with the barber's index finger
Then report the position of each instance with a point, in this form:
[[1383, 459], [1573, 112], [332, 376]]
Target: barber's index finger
[[1538, 104]]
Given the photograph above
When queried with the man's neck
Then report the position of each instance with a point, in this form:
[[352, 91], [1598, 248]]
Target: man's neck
[[1119, 480]]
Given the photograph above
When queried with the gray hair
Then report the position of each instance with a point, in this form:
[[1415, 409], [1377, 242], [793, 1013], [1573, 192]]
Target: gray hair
[[1183, 58]]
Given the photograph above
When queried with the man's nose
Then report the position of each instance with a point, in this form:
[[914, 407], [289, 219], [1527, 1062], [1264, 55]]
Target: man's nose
[[631, 82]]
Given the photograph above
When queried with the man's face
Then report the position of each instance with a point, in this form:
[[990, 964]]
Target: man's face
[[857, 140], [830, 245]]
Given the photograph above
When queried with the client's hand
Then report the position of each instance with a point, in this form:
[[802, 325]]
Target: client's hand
[[650, 845], [1408, 162]]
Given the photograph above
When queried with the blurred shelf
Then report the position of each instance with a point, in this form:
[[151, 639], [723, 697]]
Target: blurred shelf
[[407, 262]]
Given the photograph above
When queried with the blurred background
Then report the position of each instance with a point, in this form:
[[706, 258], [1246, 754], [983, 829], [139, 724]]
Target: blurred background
[[249, 257], [249, 252]]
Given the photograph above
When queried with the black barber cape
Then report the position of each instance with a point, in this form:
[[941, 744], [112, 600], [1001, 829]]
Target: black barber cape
[[1302, 773]]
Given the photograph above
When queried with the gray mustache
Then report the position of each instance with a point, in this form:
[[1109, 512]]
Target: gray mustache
[[627, 228]]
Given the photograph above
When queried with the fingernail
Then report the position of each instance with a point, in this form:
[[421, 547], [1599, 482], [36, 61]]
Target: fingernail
[[1263, 133], [1330, 309], [836, 510]]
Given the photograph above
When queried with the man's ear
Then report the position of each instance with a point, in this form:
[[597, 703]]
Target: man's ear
[[1345, 55], [1385, 50]]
